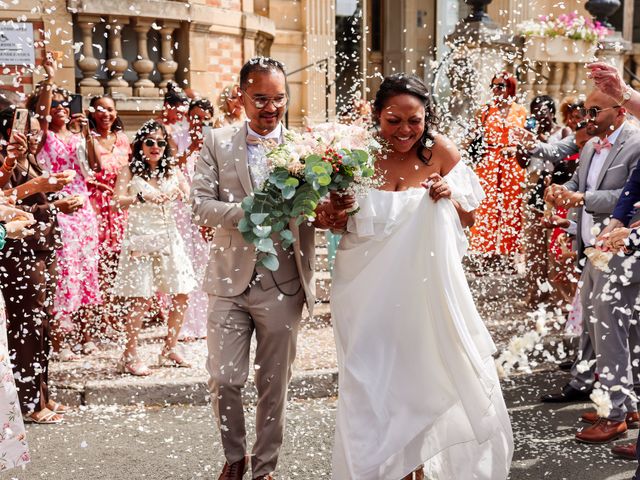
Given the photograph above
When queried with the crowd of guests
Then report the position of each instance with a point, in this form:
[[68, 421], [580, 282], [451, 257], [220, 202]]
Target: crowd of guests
[[562, 202], [97, 232]]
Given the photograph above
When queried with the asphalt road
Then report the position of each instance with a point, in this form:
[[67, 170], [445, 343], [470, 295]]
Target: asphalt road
[[180, 442]]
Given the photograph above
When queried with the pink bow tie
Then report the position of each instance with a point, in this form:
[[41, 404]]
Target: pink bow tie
[[268, 143], [602, 145]]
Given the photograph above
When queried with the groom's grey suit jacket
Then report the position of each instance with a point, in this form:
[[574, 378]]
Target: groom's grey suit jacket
[[220, 183]]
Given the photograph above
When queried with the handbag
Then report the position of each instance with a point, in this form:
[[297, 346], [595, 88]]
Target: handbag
[[150, 244]]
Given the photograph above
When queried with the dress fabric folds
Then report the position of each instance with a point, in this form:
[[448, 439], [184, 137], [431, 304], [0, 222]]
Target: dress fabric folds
[[417, 381]]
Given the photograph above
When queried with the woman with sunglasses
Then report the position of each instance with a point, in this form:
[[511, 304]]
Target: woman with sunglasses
[[78, 290], [108, 151], [153, 258], [496, 233]]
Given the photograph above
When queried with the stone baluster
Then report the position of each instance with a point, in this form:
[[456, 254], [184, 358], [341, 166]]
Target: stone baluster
[[88, 64], [555, 79], [143, 66], [167, 66], [581, 79], [542, 74], [116, 65], [569, 79]]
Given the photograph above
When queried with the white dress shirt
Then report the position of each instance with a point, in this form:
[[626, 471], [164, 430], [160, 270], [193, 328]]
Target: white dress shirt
[[595, 168], [256, 155]]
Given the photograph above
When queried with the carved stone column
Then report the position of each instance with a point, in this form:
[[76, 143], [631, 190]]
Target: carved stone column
[[569, 80], [116, 64], [88, 64], [555, 79], [143, 66], [167, 65]]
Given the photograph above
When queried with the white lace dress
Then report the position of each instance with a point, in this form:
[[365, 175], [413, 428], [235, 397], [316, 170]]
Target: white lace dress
[[417, 381], [143, 272]]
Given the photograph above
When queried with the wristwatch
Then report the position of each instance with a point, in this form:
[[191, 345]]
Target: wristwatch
[[626, 96]]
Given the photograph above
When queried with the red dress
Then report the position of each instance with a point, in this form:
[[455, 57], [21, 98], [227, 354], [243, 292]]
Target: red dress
[[498, 222], [111, 219]]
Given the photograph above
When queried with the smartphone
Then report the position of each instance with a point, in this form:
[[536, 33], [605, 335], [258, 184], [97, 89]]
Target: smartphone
[[75, 104], [20, 119], [530, 124]]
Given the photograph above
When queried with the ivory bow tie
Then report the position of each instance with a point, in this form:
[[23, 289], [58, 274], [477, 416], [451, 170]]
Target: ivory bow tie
[[267, 143], [602, 145]]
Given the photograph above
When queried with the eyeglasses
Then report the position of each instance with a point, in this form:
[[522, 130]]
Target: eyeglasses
[[261, 102], [56, 104], [501, 86], [594, 111], [150, 142]]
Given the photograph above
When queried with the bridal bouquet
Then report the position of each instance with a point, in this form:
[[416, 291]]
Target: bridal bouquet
[[302, 170]]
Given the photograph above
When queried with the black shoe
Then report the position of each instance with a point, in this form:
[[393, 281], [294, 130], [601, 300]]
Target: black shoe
[[566, 366], [568, 394]]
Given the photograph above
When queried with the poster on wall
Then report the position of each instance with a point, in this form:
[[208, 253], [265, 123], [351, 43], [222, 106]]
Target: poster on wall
[[16, 43]]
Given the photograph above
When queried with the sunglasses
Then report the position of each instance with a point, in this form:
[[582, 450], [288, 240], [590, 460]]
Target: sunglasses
[[501, 86], [261, 102], [594, 111], [56, 104], [150, 142]]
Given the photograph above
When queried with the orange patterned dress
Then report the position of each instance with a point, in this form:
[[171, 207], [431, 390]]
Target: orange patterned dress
[[499, 217]]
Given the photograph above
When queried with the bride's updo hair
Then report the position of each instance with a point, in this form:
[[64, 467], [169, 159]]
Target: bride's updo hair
[[403, 84]]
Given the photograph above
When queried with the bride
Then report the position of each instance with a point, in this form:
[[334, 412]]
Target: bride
[[418, 390]]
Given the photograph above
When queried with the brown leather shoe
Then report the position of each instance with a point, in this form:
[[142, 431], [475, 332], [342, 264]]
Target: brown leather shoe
[[234, 471], [626, 451], [632, 419], [417, 474], [602, 431]]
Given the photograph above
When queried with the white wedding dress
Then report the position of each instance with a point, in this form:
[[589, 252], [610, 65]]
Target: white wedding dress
[[417, 381]]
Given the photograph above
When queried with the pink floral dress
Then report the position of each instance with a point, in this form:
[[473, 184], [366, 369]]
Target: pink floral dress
[[13, 443], [111, 220], [77, 260]]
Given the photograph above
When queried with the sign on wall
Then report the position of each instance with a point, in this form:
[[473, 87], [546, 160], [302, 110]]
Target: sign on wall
[[16, 44]]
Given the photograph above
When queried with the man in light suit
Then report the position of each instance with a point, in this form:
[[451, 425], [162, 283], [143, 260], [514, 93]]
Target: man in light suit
[[605, 165], [242, 296]]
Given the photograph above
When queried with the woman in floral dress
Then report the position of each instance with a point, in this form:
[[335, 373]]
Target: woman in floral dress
[[77, 286], [13, 443], [108, 151]]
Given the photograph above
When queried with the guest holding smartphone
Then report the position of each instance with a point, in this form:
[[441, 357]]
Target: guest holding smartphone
[[78, 290]]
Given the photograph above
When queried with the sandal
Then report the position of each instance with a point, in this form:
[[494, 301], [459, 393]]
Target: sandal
[[43, 417], [172, 359], [89, 347], [133, 367], [58, 408], [66, 355]]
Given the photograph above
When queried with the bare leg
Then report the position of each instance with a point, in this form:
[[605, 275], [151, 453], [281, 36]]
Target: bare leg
[[136, 309], [169, 357], [176, 318]]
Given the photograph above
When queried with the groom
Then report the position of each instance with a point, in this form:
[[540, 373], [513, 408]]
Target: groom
[[243, 297]]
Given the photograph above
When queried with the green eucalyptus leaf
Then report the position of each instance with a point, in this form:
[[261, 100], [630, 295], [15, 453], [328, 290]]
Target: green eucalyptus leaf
[[243, 225], [262, 232], [270, 262], [258, 218], [265, 245]]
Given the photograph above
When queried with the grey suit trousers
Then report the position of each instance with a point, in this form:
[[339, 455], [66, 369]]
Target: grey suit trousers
[[610, 334], [231, 322]]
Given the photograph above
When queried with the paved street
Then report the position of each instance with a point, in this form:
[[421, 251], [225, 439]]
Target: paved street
[[178, 442]]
